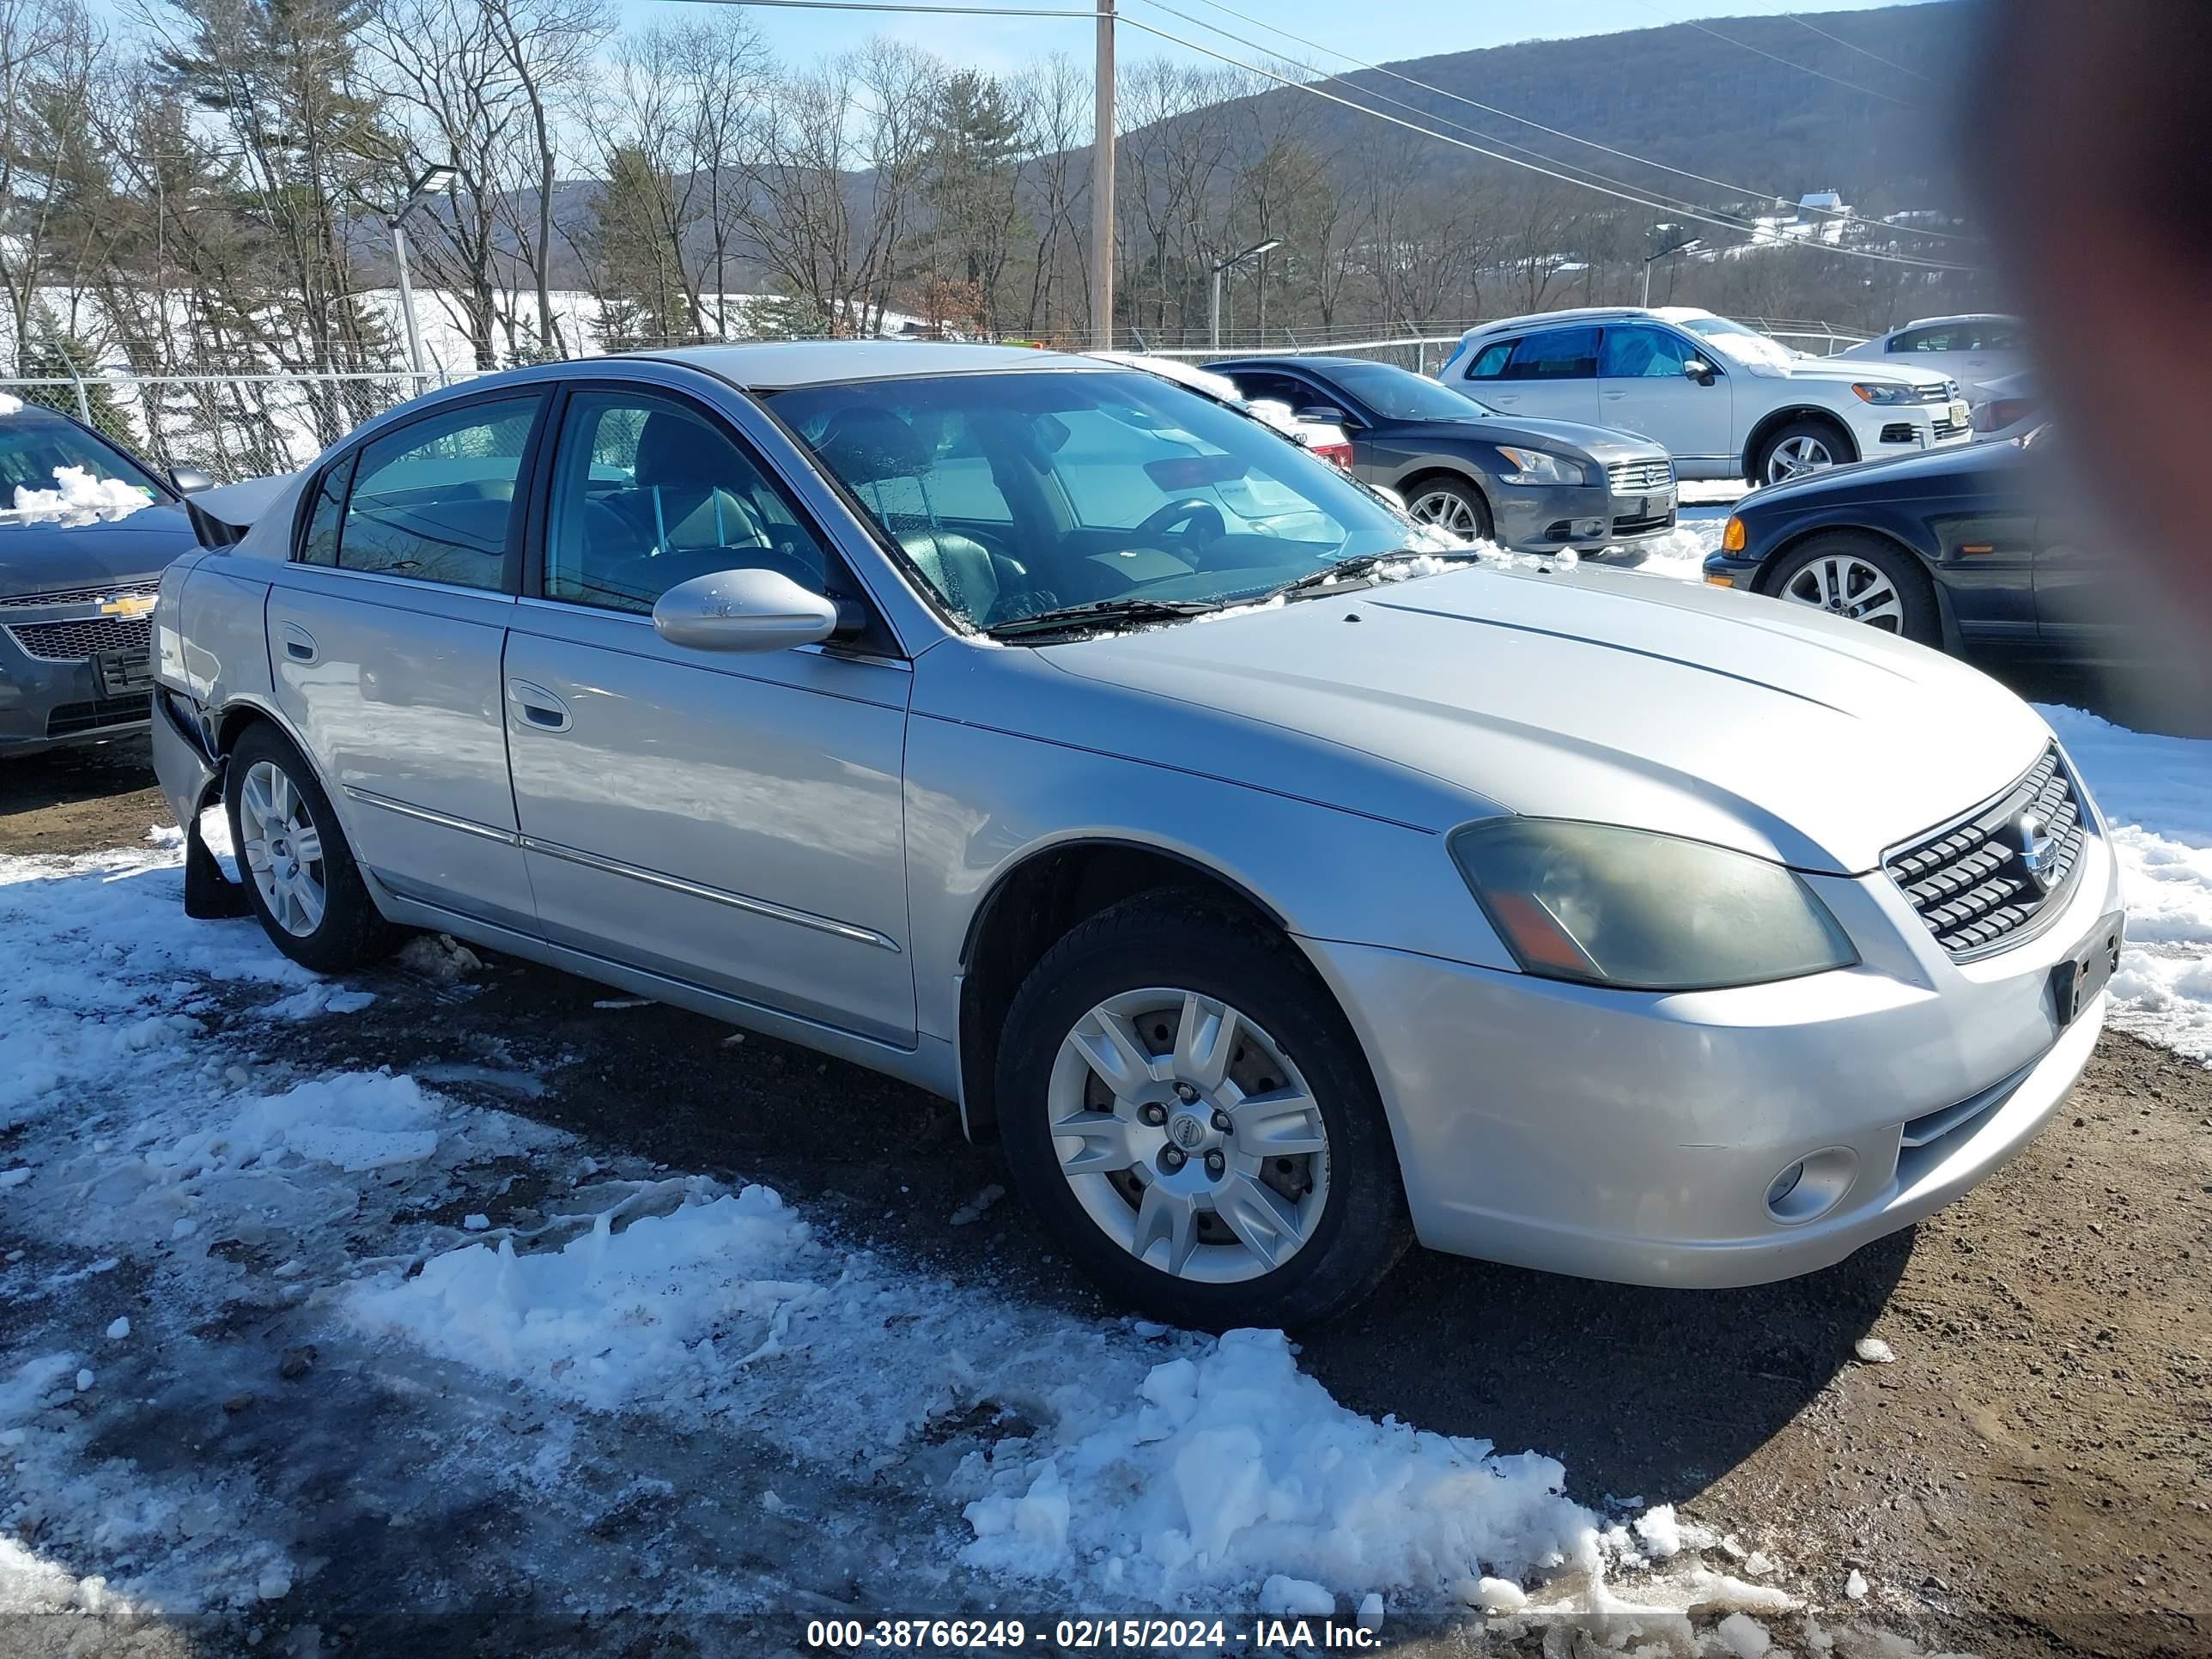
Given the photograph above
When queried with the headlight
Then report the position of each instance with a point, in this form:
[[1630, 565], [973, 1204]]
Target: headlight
[[1637, 910], [1536, 466], [1886, 394]]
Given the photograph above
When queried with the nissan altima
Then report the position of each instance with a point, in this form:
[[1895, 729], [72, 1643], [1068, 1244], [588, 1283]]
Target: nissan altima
[[1038, 732]]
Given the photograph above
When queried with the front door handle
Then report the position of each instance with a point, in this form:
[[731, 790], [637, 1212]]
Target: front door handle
[[299, 643], [538, 707]]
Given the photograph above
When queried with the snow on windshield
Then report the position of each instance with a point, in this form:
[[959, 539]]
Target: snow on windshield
[[76, 498]]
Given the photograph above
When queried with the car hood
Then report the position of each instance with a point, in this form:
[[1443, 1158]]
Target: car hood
[[1858, 368], [1609, 696], [1927, 472], [38, 555], [1601, 443]]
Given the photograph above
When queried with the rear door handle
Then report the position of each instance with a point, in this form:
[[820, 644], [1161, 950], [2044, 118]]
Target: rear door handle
[[299, 643], [539, 707]]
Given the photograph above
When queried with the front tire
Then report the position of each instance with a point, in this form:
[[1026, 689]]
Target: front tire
[[1453, 505], [1860, 578], [1798, 450], [1184, 1106], [298, 873]]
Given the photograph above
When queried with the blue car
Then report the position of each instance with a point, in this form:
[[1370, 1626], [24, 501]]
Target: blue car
[[85, 531]]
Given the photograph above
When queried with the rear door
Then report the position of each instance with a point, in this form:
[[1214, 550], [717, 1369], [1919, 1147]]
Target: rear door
[[734, 821], [1551, 374], [1641, 388], [384, 635]]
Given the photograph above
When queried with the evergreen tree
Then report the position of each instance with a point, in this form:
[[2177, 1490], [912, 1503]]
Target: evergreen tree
[[974, 161]]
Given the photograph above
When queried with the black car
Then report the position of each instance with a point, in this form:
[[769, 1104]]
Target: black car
[[85, 531], [1972, 551], [1535, 486]]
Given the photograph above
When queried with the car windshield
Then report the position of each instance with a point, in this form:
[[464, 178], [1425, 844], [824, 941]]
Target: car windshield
[[1016, 494], [36, 451], [1398, 394]]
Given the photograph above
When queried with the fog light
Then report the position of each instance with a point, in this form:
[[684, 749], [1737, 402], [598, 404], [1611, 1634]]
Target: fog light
[[1813, 1186], [1585, 527]]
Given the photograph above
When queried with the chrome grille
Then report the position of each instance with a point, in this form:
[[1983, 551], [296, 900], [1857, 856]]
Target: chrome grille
[[1636, 477], [139, 587], [1971, 882], [1949, 428], [82, 637]]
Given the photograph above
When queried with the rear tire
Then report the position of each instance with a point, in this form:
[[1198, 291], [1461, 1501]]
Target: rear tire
[[1856, 577], [299, 874], [1217, 1182], [1797, 450], [1453, 505]]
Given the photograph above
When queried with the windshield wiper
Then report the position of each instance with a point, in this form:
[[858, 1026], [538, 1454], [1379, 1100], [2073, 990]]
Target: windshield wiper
[[1364, 564], [1101, 613]]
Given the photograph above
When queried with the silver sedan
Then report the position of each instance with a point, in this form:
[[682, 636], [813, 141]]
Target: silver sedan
[[1272, 893]]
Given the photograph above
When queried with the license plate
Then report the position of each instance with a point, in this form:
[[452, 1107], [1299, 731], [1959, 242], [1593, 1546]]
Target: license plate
[[122, 673], [2075, 981], [1959, 413]]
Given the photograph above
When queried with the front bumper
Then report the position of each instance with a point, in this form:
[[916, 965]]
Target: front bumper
[[1633, 1137], [1549, 518], [1884, 430], [47, 704]]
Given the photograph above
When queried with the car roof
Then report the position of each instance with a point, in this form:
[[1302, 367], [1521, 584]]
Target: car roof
[[1588, 314], [1305, 360], [1960, 317], [778, 365]]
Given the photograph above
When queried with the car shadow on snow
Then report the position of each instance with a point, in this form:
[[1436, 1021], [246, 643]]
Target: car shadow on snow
[[1641, 1392]]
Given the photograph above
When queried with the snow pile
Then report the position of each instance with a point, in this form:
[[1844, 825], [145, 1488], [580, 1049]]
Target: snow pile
[[1233, 1465], [2156, 796], [78, 498], [10, 404]]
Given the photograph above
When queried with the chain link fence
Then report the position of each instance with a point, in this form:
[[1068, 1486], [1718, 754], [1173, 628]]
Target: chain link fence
[[229, 426]]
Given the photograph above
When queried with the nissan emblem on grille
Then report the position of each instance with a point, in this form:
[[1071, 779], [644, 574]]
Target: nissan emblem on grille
[[1983, 880], [2037, 848]]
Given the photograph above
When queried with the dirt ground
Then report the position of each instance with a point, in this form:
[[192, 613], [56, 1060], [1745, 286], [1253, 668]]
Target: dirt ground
[[2033, 1474]]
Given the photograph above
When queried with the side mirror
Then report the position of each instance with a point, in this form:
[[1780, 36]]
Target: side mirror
[[189, 480], [743, 611], [1325, 415], [1698, 369]]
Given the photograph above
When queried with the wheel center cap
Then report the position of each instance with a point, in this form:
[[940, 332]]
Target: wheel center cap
[[1188, 1130]]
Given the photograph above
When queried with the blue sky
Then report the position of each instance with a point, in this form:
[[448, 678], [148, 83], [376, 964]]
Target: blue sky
[[1395, 30]]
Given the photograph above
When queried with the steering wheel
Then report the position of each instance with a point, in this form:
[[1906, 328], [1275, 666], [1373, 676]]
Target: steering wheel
[[1191, 509]]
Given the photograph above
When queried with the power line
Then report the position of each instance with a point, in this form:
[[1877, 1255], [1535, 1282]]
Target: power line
[[1786, 63], [1855, 47], [1491, 109], [1510, 161]]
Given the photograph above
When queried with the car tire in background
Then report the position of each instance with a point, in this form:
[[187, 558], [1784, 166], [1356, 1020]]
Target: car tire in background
[[1184, 1106], [1862, 578], [1452, 504], [292, 860], [1796, 449]]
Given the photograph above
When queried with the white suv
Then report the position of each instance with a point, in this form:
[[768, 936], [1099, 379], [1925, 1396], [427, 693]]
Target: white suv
[[1724, 400]]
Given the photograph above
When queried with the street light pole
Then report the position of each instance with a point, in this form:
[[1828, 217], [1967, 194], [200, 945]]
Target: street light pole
[[407, 302], [1102, 185], [1654, 258], [1231, 264]]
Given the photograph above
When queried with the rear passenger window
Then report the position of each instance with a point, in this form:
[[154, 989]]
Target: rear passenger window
[[1490, 362], [320, 544], [1557, 353], [435, 500]]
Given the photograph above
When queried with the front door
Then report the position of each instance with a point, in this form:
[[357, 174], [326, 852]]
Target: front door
[[1642, 388], [385, 633], [730, 820]]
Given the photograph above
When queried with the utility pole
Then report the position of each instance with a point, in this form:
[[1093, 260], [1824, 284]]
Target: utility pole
[[407, 303], [1101, 187]]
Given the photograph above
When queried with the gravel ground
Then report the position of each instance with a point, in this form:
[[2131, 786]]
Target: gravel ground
[[2031, 1475]]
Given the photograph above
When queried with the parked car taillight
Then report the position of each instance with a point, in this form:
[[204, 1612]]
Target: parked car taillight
[[2000, 412], [1337, 455]]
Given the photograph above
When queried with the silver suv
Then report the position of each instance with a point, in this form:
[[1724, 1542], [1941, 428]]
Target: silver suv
[[1066, 744]]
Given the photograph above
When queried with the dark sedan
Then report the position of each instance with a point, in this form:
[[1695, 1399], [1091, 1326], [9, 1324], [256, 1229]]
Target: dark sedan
[[85, 531], [1535, 486], [1965, 549]]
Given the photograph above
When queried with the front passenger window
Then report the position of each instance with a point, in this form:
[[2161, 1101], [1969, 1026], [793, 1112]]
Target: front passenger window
[[647, 492]]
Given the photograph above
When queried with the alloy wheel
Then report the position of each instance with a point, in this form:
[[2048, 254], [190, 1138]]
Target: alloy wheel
[[1851, 587], [1448, 512], [1187, 1136], [284, 849], [1793, 458]]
